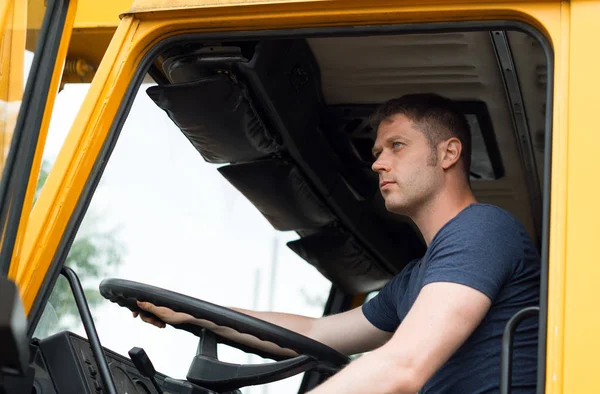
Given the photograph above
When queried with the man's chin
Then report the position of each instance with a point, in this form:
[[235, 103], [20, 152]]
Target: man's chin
[[395, 207]]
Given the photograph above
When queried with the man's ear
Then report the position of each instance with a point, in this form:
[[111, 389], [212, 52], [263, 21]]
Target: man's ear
[[450, 152]]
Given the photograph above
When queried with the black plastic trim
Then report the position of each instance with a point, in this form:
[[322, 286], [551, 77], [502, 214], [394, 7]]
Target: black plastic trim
[[412, 28], [545, 238], [507, 343], [515, 103], [480, 110], [337, 302], [90, 330], [157, 75], [17, 170]]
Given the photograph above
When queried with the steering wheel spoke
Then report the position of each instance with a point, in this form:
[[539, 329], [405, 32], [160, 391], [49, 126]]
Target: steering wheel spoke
[[220, 376], [208, 344]]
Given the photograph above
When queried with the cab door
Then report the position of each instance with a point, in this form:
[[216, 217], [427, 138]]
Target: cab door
[[44, 27]]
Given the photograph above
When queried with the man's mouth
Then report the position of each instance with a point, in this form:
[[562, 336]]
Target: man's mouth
[[383, 184]]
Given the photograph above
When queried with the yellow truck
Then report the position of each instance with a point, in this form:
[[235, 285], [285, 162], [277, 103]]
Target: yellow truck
[[274, 96]]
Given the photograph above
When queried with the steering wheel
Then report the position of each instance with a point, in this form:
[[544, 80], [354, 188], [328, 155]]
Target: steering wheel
[[274, 342]]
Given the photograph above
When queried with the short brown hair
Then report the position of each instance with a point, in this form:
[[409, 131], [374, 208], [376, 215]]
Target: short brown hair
[[439, 118]]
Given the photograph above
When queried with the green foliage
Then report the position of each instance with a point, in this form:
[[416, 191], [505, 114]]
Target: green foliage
[[94, 255], [44, 170]]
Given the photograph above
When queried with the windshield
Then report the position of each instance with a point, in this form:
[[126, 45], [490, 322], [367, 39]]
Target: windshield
[[163, 216]]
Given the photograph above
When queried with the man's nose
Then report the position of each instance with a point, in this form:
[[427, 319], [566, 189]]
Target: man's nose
[[381, 164]]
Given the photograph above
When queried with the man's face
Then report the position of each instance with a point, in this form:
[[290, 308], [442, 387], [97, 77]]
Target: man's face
[[407, 166]]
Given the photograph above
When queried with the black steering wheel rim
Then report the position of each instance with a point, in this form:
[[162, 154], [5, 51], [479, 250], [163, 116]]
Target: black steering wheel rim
[[125, 293]]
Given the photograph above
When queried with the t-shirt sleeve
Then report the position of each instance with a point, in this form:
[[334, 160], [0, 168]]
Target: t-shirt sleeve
[[381, 310], [481, 253]]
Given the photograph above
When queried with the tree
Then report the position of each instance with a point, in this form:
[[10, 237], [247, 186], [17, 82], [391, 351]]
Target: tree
[[94, 254]]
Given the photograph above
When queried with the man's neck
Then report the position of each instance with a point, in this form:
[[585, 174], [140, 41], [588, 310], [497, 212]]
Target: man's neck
[[434, 215]]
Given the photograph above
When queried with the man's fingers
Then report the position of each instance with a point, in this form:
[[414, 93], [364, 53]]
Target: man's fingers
[[148, 307], [152, 321], [145, 306]]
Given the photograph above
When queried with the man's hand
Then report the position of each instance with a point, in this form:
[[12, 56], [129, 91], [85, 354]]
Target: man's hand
[[165, 315]]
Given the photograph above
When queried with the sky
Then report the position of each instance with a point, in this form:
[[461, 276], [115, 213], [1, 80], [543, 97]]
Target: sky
[[183, 227]]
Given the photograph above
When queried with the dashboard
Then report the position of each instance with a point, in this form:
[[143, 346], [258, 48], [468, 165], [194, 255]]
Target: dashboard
[[64, 363]]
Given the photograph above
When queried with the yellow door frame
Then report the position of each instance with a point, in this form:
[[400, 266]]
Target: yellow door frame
[[569, 26]]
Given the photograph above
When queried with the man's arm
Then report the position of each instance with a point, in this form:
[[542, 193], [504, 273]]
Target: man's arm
[[348, 332], [443, 316]]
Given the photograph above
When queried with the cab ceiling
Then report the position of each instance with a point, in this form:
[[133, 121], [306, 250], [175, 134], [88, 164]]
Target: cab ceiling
[[305, 104]]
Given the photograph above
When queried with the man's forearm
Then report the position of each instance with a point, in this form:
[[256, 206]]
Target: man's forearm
[[300, 324], [373, 373]]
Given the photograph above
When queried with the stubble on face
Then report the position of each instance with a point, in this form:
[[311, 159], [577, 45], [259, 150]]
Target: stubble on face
[[413, 170]]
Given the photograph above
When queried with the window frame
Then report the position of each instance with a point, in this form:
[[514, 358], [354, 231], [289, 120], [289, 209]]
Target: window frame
[[145, 66]]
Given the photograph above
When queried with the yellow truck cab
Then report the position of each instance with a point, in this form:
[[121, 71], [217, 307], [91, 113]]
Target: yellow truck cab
[[198, 117]]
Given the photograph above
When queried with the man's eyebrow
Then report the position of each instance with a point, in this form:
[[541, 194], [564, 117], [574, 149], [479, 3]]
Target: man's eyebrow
[[396, 137]]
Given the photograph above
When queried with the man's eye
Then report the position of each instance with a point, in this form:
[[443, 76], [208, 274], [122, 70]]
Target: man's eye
[[397, 144]]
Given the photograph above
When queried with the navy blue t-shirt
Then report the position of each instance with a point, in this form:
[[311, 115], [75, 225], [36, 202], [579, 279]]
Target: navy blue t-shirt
[[487, 249]]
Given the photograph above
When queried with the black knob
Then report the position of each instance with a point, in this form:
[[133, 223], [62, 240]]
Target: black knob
[[144, 365]]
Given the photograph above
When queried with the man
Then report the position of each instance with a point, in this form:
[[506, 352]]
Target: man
[[437, 326]]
